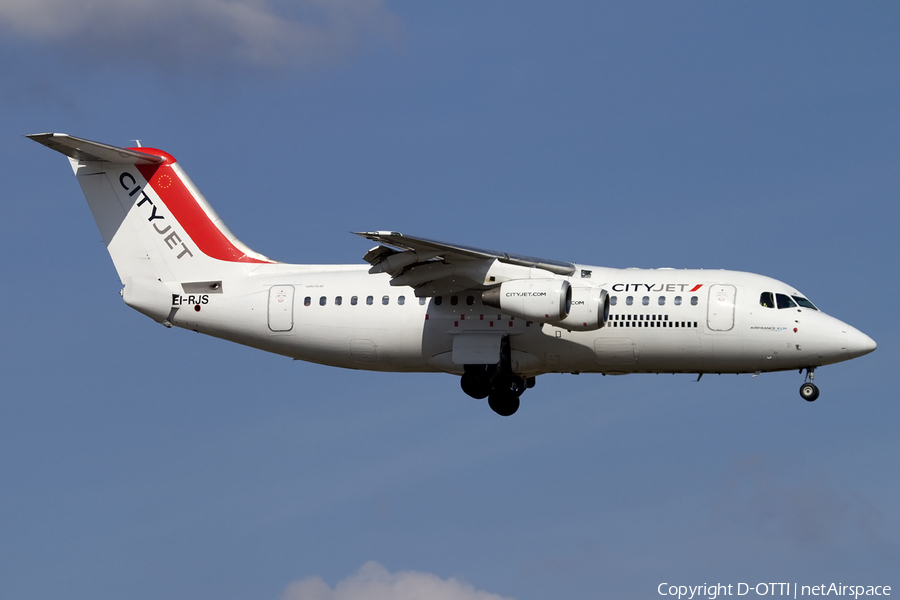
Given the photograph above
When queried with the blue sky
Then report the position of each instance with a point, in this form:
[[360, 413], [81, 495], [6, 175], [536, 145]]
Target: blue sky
[[142, 462]]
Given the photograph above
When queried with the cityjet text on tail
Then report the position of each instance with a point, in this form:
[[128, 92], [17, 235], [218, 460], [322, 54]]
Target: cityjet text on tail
[[497, 320]]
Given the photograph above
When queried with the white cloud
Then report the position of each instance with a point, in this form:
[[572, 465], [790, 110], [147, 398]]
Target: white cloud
[[255, 33], [374, 582]]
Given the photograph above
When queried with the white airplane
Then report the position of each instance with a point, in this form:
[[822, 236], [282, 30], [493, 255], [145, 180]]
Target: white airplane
[[497, 319]]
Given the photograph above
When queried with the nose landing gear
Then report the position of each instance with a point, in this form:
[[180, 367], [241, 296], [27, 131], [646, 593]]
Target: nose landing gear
[[809, 391]]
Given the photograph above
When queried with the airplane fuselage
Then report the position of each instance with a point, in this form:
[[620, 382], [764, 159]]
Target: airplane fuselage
[[660, 320]]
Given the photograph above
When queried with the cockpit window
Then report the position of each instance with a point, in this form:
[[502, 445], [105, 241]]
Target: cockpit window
[[766, 299], [784, 301], [804, 302]]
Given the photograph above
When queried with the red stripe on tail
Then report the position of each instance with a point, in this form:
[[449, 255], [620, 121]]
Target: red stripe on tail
[[184, 207]]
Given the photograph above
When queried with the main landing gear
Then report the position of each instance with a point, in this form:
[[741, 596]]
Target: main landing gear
[[809, 391], [497, 383]]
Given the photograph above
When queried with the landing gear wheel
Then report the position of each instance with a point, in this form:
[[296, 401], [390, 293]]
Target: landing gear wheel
[[476, 385], [809, 391], [503, 402]]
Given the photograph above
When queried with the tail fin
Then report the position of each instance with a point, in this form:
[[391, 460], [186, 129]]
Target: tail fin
[[156, 225]]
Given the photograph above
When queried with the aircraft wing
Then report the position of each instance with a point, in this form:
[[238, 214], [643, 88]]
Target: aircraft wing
[[433, 267]]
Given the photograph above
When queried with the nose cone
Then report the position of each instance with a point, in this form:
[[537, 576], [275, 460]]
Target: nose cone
[[859, 343]]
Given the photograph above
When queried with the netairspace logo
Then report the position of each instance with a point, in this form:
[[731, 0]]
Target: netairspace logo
[[771, 589]]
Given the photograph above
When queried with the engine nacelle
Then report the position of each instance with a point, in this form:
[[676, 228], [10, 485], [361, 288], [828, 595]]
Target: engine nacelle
[[589, 310], [538, 300]]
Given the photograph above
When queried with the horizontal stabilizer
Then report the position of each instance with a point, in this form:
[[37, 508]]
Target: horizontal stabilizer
[[87, 150]]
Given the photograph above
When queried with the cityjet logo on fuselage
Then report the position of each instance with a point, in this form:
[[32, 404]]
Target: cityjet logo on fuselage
[[656, 287], [172, 239]]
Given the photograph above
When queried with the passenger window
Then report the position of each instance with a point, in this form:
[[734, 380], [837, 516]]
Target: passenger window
[[694, 300], [338, 300], [629, 300], [322, 300], [422, 301], [662, 300], [470, 300], [677, 300], [307, 301], [784, 301], [353, 300], [385, 300], [401, 300], [645, 300], [370, 300], [438, 300], [613, 300], [454, 300]]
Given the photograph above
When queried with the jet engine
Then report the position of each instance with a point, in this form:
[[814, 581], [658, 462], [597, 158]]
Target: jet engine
[[589, 310], [538, 300]]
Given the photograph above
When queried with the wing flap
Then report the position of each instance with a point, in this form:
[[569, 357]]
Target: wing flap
[[423, 273]]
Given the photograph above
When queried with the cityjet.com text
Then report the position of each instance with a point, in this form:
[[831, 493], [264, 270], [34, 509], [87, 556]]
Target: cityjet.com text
[[791, 590]]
